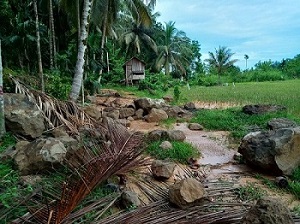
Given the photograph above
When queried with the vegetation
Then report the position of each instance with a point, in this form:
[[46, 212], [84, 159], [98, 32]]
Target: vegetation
[[294, 184], [250, 192], [235, 121], [221, 60], [180, 152], [281, 93]]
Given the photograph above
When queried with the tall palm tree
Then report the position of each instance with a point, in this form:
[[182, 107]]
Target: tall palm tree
[[134, 38], [38, 44], [101, 13], [246, 56], [2, 124], [105, 13], [221, 60], [173, 53], [77, 80]]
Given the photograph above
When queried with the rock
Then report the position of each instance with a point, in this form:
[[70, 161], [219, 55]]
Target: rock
[[22, 116], [195, 126], [238, 157], [147, 104], [287, 145], [282, 182], [39, 156], [30, 179], [166, 145], [115, 114], [93, 111], [269, 211], [157, 135], [162, 170], [130, 199], [190, 106], [262, 109], [277, 123], [130, 118], [174, 111], [176, 135], [273, 151], [193, 163], [187, 192], [139, 113], [126, 112], [156, 115]]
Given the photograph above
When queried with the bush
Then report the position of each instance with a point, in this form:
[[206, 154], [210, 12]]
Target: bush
[[180, 152]]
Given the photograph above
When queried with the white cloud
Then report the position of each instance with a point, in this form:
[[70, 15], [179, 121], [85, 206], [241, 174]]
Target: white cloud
[[263, 29]]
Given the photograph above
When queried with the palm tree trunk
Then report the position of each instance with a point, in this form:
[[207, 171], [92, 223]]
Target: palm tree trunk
[[78, 20], [38, 44], [102, 47], [2, 118], [50, 41], [77, 80], [52, 31]]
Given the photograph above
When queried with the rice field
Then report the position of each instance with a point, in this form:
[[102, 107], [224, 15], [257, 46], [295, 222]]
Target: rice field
[[286, 93]]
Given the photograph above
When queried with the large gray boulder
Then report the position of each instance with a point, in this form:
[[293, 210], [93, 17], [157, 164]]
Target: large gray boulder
[[262, 109], [187, 192], [273, 151], [268, 210], [278, 123], [22, 116], [39, 156]]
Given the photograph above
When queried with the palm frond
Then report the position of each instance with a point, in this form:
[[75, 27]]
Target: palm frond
[[56, 112]]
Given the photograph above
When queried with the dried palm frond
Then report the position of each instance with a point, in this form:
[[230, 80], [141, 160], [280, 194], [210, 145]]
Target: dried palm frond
[[91, 166], [56, 112]]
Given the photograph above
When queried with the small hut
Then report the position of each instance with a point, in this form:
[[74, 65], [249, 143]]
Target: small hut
[[134, 70]]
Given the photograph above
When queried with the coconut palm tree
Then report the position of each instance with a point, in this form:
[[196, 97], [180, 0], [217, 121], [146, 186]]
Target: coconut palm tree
[[102, 14], [173, 52], [77, 80], [134, 38], [38, 44], [105, 13], [246, 58], [221, 60]]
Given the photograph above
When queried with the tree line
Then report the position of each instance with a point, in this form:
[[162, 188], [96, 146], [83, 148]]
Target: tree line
[[84, 39], [55, 45]]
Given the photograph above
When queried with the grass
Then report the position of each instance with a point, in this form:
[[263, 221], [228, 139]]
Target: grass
[[235, 121], [180, 152], [285, 93], [168, 123], [250, 192]]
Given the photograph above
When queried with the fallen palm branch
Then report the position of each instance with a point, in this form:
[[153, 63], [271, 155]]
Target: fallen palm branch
[[56, 112], [119, 153]]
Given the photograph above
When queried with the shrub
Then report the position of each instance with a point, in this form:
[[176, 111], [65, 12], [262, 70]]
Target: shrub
[[180, 152]]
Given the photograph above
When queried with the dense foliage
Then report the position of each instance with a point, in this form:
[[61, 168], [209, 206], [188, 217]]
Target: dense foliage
[[122, 31]]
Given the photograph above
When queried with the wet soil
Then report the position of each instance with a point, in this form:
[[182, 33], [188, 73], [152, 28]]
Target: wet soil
[[217, 163]]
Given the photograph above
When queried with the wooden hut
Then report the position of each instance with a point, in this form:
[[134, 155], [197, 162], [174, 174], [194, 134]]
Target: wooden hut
[[134, 70]]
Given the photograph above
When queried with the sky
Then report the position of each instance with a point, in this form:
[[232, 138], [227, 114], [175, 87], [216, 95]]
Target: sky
[[262, 29]]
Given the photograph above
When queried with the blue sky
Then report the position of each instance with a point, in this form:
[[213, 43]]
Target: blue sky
[[263, 29]]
